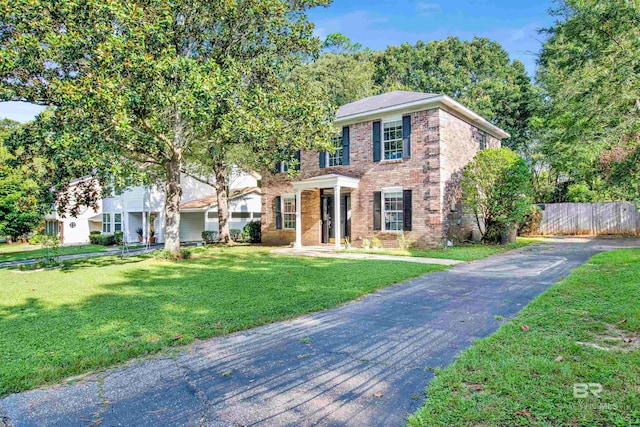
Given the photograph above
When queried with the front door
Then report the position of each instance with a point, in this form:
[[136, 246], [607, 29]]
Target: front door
[[327, 213]]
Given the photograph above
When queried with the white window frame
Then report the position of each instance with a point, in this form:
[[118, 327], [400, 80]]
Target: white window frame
[[335, 159], [289, 217], [397, 141], [117, 223], [106, 223], [398, 212]]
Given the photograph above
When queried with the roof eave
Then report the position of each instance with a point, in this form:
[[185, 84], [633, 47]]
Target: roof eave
[[433, 102]]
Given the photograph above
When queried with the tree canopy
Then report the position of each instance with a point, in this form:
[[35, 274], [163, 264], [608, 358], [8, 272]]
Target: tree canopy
[[136, 85], [590, 73]]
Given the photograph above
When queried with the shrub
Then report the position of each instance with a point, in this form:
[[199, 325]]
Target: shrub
[[102, 239], [94, 233], [235, 234], [36, 239], [118, 235], [185, 253], [531, 222], [405, 243], [51, 246], [210, 237], [252, 232], [579, 193], [496, 187], [366, 243], [375, 242]]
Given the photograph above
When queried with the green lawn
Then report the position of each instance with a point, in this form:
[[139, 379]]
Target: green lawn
[[20, 252], [98, 312], [516, 378], [464, 252]]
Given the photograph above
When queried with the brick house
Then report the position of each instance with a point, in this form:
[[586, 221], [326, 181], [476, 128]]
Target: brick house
[[396, 169]]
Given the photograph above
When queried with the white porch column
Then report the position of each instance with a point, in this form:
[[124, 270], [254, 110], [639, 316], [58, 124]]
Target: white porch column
[[336, 214], [298, 243]]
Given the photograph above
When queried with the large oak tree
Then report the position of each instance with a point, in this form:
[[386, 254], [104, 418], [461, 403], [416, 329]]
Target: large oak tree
[[138, 85]]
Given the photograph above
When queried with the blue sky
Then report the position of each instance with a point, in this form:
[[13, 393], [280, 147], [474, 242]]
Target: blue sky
[[379, 23]]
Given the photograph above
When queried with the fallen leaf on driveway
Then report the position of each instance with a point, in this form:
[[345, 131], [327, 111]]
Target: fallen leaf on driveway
[[378, 394], [177, 337], [525, 328], [622, 321], [523, 413], [559, 359]]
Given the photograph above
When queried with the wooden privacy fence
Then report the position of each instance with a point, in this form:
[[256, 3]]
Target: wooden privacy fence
[[620, 218]]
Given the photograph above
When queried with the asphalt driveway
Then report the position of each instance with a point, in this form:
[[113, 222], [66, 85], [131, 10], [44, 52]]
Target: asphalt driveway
[[365, 363]]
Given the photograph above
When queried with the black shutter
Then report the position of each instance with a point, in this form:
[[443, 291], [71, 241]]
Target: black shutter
[[277, 210], [297, 156], [406, 137], [377, 210], [376, 141], [345, 145], [322, 159], [406, 204], [276, 168]]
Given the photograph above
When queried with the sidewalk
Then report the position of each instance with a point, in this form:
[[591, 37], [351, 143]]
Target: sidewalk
[[108, 252], [322, 252]]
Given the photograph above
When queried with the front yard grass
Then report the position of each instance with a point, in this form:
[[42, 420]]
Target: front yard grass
[[463, 252], [21, 252], [584, 330], [98, 312]]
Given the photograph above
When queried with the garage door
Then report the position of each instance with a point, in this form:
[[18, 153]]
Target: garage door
[[191, 226]]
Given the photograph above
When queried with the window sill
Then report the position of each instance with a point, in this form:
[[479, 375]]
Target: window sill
[[391, 161]]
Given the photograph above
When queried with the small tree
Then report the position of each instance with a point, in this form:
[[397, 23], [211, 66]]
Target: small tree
[[496, 187]]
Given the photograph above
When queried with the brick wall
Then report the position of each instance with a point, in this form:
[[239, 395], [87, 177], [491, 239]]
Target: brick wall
[[458, 145], [441, 144]]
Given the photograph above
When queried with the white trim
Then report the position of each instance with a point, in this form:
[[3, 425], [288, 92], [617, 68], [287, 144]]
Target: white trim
[[326, 181], [383, 226], [284, 213], [422, 104]]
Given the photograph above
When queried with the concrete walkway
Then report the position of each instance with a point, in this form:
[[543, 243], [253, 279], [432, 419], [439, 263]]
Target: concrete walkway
[[108, 252], [366, 363], [323, 252]]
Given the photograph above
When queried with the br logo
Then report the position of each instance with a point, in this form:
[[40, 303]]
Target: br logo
[[582, 391]]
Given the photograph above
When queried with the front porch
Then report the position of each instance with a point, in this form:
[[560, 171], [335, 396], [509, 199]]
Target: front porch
[[334, 217]]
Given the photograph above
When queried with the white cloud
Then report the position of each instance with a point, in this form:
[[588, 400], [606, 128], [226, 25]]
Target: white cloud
[[425, 8]]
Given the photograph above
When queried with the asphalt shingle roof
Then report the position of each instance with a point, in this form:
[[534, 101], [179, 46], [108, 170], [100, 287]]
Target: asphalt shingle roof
[[378, 102]]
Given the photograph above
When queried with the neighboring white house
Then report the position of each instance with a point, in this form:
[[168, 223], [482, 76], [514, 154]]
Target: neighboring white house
[[142, 207]]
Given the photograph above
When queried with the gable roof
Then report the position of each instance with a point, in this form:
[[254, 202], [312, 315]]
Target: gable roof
[[379, 102], [212, 200], [403, 102]]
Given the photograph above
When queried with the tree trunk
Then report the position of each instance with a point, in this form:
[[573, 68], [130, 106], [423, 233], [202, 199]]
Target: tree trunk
[[172, 205], [223, 204]]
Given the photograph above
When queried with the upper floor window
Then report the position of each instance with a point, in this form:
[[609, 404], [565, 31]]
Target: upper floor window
[[289, 212], [393, 209], [482, 139], [392, 140], [106, 223], [335, 158]]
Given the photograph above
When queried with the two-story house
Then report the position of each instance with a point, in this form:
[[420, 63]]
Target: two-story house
[[396, 169]]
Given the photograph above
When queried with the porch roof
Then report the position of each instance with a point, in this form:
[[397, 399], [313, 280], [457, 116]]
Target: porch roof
[[326, 181]]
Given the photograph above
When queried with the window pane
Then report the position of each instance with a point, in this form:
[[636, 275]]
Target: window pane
[[392, 138], [117, 227], [335, 159], [241, 215], [289, 213], [393, 211]]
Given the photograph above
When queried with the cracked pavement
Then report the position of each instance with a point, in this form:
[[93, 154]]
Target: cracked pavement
[[364, 363]]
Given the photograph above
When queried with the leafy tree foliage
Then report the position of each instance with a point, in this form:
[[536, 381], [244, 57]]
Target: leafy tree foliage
[[20, 207], [496, 187], [137, 84], [590, 72], [477, 73]]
